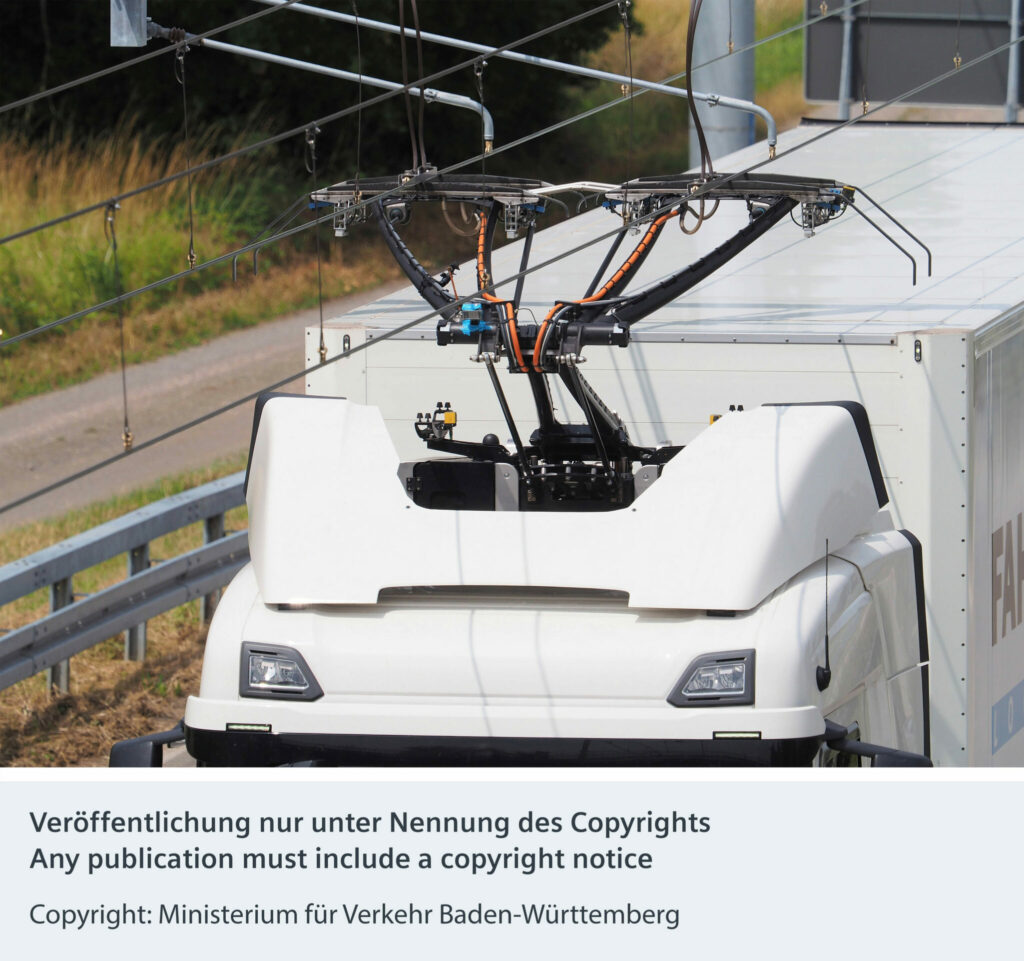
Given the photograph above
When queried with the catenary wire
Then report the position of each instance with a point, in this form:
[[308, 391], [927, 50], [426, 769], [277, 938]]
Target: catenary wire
[[593, 111], [301, 129], [234, 155], [106, 71], [77, 315], [529, 270], [405, 81], [695, 195], [422, 99]]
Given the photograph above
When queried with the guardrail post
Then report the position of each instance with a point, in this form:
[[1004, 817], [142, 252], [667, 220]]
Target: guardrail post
[[58, 677], [213, 530], [135, 637]]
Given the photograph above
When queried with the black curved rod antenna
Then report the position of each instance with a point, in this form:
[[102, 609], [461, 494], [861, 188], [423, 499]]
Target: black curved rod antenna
[[892, 240], [426, 286], [648, 300], [874, 203]]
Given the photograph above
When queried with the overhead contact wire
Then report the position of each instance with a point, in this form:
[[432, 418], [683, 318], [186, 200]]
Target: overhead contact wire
[[405, 88], [359, 102], [419, 70], [296, 131], [311, 136], [110, 229], [552, 128], [179, 74]]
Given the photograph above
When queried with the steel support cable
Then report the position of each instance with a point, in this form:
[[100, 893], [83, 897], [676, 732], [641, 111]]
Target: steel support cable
[[419, 69], [111, 231], [359, 102], [256, 245], [106, 71], [866, 65], [281, 4], [405, 81], [311, 136], [696, 194], [295, 131], [179, 75], [234, 155], [624, 15]]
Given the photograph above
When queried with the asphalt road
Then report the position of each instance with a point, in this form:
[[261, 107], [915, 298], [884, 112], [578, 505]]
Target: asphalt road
[[46, 438]]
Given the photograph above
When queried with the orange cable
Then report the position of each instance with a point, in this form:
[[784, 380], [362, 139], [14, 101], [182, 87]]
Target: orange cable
[[644, 243]]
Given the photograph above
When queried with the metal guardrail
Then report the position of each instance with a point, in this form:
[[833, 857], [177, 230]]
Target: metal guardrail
[[73, 626]]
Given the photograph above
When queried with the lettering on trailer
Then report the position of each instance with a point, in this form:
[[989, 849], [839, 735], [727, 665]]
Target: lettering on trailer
[[1007, 578], [1007, 716]]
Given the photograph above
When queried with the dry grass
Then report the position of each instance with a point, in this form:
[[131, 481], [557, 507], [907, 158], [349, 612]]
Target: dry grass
[[110, 698], [56, 271]]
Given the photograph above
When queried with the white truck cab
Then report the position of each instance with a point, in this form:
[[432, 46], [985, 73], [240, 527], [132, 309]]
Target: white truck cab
[[687, 625]]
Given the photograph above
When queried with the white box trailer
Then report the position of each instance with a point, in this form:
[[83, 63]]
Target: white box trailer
[[938, 366]]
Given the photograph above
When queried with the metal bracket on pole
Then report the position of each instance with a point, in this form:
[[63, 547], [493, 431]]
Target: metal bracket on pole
[[213, 530], [730, 102], [429, 94], [135, 637], [58, 677], [846, 64], [1013, 64], [128, 23]]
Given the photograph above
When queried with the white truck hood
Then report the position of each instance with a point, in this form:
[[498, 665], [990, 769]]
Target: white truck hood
[[735, 514]]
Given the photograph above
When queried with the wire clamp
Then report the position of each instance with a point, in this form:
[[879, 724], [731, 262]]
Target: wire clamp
[[312, 131]]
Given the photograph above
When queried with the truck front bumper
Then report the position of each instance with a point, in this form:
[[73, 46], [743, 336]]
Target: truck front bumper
[[259, 749]]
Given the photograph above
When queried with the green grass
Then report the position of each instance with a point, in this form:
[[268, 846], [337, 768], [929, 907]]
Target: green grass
[[594, 148], [781, 59], [53, 273], [57, 271]]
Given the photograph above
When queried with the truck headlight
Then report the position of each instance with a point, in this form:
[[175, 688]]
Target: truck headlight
[[270, 670], [715, 680]]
